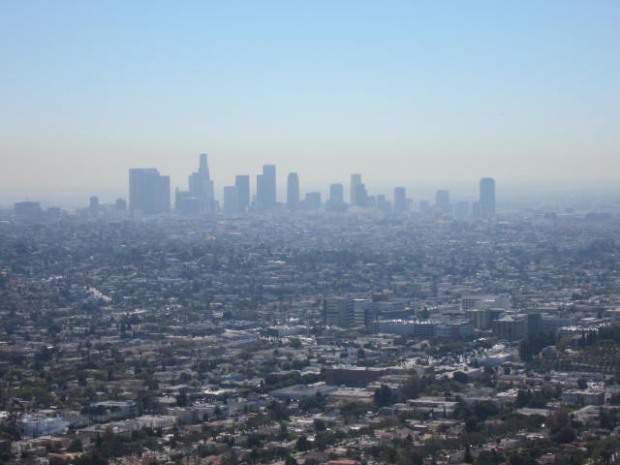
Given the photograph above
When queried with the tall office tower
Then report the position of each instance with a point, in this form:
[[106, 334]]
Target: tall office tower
[[186, 203], [487, 197], [292, 191], [201, 185], [266, 188], [149, 192], [312, 201], [335, 202], [360, 196], [400, 200], [383, 204], [93, 205], [336, 194], [356, 180], [231, 199], [28, 209], [242, 183], [442, 201]]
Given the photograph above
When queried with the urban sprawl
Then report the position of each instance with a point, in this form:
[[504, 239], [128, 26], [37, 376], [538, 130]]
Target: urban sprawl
[[340, 332]]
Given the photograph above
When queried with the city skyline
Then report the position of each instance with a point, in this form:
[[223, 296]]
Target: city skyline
[[404, 93], [205, 194], [267, 195]]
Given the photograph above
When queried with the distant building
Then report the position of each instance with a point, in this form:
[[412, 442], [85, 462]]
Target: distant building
[[510, 327], [553, 324], [149, 192], [383, 204], [28, 209], [41, 424], [93, 206], [400, 200], [242, 183], [231, 199], [353, 376], [442, 201], [292, 191], [425, 207], [454, 330], [186, 203], [587, 397], [356, 180], [412, 328], [101, 412], [360, 196], [335, 202], [201, 186], [266, 188], [339, 311], [487, 198], [312, 201], [471, 301], [481, 317]]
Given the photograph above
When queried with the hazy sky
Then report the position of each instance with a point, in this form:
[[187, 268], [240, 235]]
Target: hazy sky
[[404, 92]]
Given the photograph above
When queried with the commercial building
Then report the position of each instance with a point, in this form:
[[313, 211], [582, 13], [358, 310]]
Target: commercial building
[[356, 180], [231, 199], [266, 188], [149, 192], [487, 198], [292, 191], [201, 185], [400, 200], [242, 183], [339, 311]]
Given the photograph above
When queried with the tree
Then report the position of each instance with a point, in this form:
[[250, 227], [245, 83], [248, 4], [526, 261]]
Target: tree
[[484, 409], [319, 425], [75, 445], [412, 387], [303, 444], [582, 383], [384, 396], [277, 411], [460, 377], [467, 457], [181, 398], [564, 435]]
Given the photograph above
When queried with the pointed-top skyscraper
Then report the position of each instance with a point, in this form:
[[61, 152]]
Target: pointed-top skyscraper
[[201, 185]]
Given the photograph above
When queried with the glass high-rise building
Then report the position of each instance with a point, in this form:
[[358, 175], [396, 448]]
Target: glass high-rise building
[[487, 198], [356, 180], [292, 191], [336, 194], [149, 192], [201, 186], [266, 188], [242, 183], [400, 200], [231, 199]]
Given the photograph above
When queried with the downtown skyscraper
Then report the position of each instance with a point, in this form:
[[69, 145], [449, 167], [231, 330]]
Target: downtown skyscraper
[[292, 191], [201, 186], [266, 189], [487, 198], [149, 192]]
